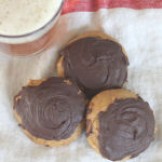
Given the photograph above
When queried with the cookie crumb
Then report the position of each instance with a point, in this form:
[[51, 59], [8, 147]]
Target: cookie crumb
[[68, 82], [79, 92], [18, 98]]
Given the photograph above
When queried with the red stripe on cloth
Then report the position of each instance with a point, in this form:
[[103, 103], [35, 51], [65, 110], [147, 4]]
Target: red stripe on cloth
[[94, 5]]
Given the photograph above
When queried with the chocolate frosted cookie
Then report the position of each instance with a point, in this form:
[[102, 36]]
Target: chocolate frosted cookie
[[95, 62], [51, 112], [120, 124]]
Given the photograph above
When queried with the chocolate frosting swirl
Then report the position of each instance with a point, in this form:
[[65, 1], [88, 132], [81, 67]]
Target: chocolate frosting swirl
[[95, 64], [125, 129], [51, 110]]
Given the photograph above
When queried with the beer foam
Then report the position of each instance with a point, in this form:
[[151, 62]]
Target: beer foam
[[18, 17]]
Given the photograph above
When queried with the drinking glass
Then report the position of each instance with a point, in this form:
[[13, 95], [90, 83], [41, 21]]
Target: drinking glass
[[30, 43]]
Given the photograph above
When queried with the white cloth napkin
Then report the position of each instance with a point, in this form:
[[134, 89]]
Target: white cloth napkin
[[139, 31]]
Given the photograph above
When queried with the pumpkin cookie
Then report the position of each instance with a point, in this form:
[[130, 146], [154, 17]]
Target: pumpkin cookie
[[95, 62], [120, 124], [51, 112]]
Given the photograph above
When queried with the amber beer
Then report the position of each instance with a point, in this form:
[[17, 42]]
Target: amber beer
[[26, 25]]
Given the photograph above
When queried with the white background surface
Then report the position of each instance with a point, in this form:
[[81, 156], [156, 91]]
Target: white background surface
[[140, 32]]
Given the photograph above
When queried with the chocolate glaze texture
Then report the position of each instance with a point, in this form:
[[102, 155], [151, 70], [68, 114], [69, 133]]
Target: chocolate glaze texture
[[126, 129], [95, 64], [51, 110]]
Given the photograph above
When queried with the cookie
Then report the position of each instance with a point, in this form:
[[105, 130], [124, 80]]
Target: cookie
[[95, 62], [120, 124], [51, 112]]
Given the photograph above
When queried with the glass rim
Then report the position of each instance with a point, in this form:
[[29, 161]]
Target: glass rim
[[37, 30]]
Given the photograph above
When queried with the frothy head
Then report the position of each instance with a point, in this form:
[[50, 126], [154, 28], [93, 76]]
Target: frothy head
[[25, 16]]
